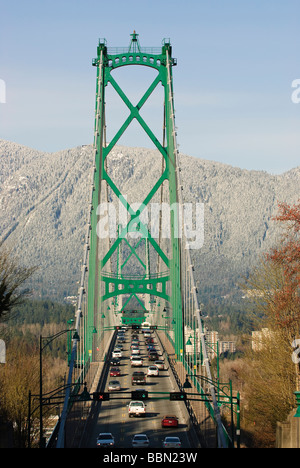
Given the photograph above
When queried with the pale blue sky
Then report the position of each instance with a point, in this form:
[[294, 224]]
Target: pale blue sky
[[232, 85]]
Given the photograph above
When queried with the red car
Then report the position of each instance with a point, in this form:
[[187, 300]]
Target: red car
[[115, 372], [169, 421], [149, 340]]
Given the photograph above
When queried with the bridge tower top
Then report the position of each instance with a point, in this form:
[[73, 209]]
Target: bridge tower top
[[134, 44]]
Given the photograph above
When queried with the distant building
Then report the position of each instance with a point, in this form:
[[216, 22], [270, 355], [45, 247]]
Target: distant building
[[215, 345], [227, 346], [259, 337], [212, 340]]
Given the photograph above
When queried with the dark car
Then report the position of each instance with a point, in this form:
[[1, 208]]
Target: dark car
[[121, 339], [153, 356], [115, 361], [138, 378], [151, 347]]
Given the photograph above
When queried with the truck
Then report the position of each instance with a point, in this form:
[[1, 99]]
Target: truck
[[136, 408], [138, 378]]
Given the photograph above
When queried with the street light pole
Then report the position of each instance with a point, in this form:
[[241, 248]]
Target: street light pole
[[50, 339], [221, 394]]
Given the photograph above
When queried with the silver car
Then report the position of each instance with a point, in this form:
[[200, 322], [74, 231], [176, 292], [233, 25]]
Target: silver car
[[114, 385], [140, 441], [171, 442], [105, 439]]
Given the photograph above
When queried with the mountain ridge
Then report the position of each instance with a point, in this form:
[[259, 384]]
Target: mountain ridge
[[44, 200]]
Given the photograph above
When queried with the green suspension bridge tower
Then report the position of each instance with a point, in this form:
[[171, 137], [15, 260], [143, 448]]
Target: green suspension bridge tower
[[130, 264], [107, 277]]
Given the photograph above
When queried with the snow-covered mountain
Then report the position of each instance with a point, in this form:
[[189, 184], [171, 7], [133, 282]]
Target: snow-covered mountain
[[44, 201]]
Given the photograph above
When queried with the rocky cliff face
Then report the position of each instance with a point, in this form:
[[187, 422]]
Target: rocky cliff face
[[44, 202]]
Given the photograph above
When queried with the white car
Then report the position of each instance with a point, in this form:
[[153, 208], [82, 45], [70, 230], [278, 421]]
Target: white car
[[136, 408], [140, 440], [135, 351], [172, 442], [117, 353], [105, 439], [152, 370], [136, 361]]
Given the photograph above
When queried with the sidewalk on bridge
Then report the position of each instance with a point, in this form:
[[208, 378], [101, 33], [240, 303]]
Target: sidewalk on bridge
[[205, 426], [80, 413]]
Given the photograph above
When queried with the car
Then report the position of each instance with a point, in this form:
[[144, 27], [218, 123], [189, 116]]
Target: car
[[151, 346], [147, 334], [121, 338], [153, 356], [136, 361], [138, 377], [119, 346], [114, 385], [133, 356], [171, 442], [105, 439], [140, 440], [136, 408], [159, 364], [115, 361], [149, 340], [152, 370], [115, 372], [169, 421], [116, 353], [135, 351]]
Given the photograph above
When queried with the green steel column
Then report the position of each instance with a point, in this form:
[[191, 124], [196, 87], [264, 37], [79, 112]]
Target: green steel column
[[175, 267]]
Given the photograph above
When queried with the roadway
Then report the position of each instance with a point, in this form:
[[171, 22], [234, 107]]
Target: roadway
[[112, 415]]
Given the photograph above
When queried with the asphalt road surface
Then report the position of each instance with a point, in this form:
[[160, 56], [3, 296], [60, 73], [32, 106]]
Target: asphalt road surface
[[112, 415]]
